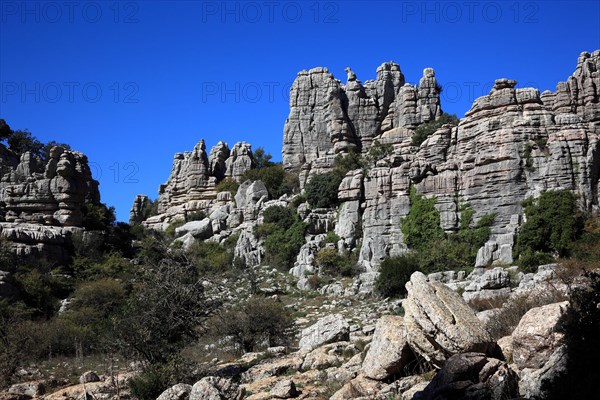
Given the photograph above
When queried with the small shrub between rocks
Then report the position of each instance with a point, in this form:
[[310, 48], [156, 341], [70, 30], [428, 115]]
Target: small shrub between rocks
[[394, 272]]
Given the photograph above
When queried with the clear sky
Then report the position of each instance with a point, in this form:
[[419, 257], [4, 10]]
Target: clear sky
[[129, 83]]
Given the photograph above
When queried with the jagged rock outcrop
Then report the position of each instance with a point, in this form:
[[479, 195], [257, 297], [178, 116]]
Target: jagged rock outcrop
[[512, 144], [50, 192], [136, 214], [191, 186], [328, 118], [41, 201]]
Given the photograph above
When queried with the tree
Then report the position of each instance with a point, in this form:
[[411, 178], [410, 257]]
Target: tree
[[23, 141], [259, 322], [164, 312], [322, 190], [394, 272], [5, 131], [262, 159]]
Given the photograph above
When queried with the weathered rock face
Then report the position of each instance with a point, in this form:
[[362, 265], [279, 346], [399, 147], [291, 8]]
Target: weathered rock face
[[439, 323], [46, 193], [213, 388], [512, 144], [332, 328], [537, 337], [389, 351], [328, 118], [472, 376], [191, 184], [136, 215], [41, 202]]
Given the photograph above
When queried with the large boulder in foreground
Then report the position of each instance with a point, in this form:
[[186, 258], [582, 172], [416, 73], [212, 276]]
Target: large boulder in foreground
[[181, 391], [389, 352], [536, 337], [329, 329], [440, 324], [472, 376]]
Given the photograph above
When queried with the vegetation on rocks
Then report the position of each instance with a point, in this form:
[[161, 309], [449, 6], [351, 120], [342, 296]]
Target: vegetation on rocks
[[427, 129]]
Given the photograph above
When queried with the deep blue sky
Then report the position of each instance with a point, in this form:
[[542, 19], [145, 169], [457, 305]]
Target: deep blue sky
[[129, 83]]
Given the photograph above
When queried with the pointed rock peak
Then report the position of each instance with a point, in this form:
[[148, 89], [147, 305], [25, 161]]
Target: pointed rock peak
[[428, 73], [351, 74], [504, 83]]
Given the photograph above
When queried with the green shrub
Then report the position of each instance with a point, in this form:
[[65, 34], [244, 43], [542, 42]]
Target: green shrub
[[105, 296], [394, 272], [322, 190], [281, 216], [151, 382], [210, 256], [170, 231], [228, 185], [330, 263], [258, 323], [553, 224], [378, 151], [332, 237], [427, 129], [282, 246], [422, 224], [277, 181]]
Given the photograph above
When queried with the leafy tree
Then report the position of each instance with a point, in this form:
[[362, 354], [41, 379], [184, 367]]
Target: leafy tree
[[13, 341], [163, 314], [98, 217], [553, 224], [5, 130], [262, 159], [210, 256], [23, 141], [228, 185], [427, 129]]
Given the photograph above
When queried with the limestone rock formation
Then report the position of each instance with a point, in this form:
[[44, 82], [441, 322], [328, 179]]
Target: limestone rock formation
[[181, 391], [136, 214], [512, 144], [191, 186], [328, 118], [50, 192], [214, 388]]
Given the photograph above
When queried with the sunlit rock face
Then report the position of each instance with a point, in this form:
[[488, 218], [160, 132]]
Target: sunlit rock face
[[513, 143]]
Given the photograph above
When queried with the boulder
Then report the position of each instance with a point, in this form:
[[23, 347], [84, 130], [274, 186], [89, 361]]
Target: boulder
[[389, 352], [198, 229], [439, 323], [32, 389], [181, 391], [214, 388], [536, 337], [329, 329], [472, 376], [285, 389]]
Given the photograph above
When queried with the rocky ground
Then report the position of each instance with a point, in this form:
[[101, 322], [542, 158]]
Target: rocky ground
[[359, 347]]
